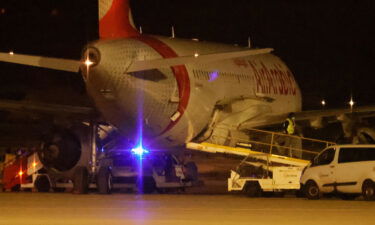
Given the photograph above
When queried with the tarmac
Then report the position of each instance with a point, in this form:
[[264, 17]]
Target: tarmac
[[66, 208]]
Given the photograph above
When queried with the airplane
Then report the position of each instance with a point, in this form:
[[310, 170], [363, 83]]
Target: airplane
[[168, 91]]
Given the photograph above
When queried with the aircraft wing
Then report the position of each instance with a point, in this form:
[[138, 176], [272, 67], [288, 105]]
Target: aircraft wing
[[73, 65], [40, 61], [314, 116], [206, 58], [27, 106], [367, 111]]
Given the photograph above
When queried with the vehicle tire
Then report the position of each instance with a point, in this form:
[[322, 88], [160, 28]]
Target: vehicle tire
[[252, 189], [191, 171], [16, 188], [104, 180], [81, 180], [42, 184], [147, 185], [312, 190], [368, 190]]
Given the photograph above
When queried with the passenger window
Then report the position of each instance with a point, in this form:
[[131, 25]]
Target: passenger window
[[325, 157], [356, 155]]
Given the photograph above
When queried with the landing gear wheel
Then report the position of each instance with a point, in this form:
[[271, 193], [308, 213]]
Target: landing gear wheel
[[81, 180], [368, 190], [42, 184], [312, 190], [104, 180], [252, 189]]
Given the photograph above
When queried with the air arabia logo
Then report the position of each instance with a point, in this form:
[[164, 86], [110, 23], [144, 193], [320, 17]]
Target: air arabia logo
[[274, 79]]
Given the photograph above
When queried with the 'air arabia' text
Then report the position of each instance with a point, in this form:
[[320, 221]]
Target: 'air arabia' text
[[273, 80]]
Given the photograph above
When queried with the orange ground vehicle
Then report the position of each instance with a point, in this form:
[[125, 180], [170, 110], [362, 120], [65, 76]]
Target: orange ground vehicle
[[15, 173], [20, 172]]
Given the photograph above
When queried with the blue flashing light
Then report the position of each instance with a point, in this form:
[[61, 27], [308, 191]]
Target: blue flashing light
[[139, 150]]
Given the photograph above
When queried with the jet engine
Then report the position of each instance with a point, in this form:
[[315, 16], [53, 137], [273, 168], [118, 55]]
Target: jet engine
[[365, 135], [61, 150]]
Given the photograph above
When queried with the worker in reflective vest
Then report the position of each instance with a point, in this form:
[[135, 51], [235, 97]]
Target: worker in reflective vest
[[290, 125], [292, 145]]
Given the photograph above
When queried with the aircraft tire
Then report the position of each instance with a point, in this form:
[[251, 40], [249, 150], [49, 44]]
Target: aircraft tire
[[81, 180], [104, 180]]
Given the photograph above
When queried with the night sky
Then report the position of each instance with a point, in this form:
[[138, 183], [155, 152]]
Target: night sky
[[328, 45]]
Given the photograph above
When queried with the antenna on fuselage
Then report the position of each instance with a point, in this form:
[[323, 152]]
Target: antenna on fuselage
[[249, 42], [172, 31]]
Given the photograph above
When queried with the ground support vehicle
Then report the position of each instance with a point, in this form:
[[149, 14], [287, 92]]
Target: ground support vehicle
[[345, 170], [155, 171], [269, 166], [257, 178], [27, 172], [259, 172], [13, 170]]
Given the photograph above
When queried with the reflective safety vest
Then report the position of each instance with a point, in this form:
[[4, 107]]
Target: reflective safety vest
[[291, 126]]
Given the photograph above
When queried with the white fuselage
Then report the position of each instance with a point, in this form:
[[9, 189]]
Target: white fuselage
[[173, 105]]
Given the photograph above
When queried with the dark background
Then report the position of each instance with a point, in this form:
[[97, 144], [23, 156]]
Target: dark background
[[329, 45]]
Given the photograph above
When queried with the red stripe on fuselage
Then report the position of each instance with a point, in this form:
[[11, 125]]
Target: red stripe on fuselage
[[180, 72]]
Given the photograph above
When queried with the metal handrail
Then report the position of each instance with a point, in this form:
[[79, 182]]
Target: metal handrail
[[278, 133], [272, 144], [267, 144], [294, 136]]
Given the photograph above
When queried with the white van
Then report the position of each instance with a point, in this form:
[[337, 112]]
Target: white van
[[348, 170]]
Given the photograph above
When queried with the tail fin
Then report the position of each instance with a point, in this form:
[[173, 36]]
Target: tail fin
[[115, 19]]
